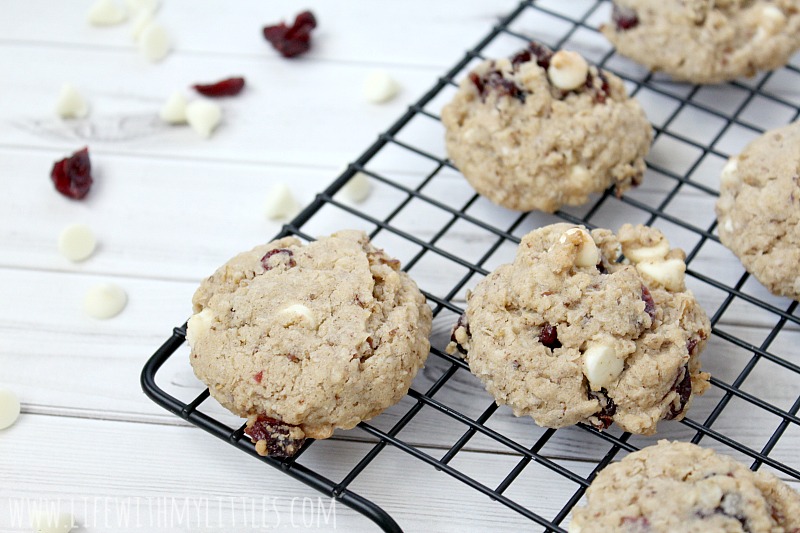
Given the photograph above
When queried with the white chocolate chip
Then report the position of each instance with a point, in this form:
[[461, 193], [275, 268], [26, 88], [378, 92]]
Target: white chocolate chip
[[174, 109], [203, 116], [280, 202], [138, 6], [728, 225], [48, 522], [567, 70], [729, 176], [380, 87], [772, 21], [601, 366], [357, 189], [154, 42], [198, 326], [669, 273], [76, 242], [106, 13], [9, 408], [70, 103], [580, 176], [104, 300], [588, 254], [299, 314], [142, 19], [647, 253]]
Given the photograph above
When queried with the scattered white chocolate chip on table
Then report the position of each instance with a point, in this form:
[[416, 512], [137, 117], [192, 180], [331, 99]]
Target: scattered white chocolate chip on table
[[299, 314], [567, 70], [48, 522], [142, 19], [174, 109], [138, 6], [588, 254], [71, 103], [357, 188], [154, 42], [669, 272], [77, 242], [105, 300], [106, 13], [203, 116], [198, 326], [380, 87], [601, 366], [280, 202], [9, 408]]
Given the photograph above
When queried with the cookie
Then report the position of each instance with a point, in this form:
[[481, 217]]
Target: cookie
[[571, 332], [758, 210], [677, 486], [305, 338], [706, 41], [544, 129]]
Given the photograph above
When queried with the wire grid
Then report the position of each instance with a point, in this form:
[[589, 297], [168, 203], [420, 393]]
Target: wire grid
[[681, 97]]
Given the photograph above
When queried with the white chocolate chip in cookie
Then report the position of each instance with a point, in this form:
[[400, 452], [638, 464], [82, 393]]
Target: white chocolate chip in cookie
[[567, 70], [198, 326], [299, 314], [580, 176], [601, 366], [669, 273], [771, 21], [729, 176], [44, 521], [588, 254], [655, 252]]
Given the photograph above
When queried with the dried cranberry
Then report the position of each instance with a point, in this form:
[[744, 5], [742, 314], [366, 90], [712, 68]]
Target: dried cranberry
[[600, 89], [292, 40], [543, 54], [649, 304], [259, 376], [276, 435], [624, 18], [228, 87], [683, 386], [607, 408], [494, 81], [72, 176], [636, 524], [549, 336], [462, 323], [265, 262]]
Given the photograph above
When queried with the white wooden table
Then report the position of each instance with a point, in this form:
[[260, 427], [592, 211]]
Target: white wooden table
[[169, 207]]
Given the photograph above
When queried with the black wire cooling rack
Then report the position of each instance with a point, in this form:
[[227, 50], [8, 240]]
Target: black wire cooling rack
[[695, 127]]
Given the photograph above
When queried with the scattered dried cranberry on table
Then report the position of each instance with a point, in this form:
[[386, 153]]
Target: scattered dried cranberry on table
[[292, 40], [227, 87], [72, 176]]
